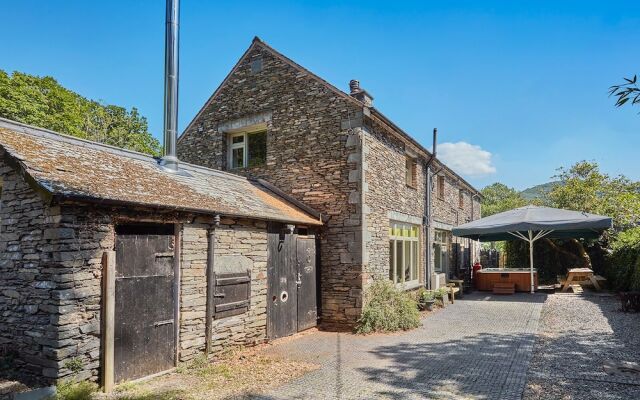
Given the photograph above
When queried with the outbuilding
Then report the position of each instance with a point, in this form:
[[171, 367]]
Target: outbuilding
[[116, 268]]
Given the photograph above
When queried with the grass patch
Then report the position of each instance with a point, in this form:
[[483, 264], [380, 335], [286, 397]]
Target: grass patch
[[388, 309], [234, 374], [71, 390]]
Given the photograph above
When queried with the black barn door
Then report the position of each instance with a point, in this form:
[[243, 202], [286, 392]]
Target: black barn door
[[291, 274], [144, 301]]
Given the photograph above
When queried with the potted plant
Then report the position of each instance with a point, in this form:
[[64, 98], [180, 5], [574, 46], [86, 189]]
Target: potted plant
[[427, 300]]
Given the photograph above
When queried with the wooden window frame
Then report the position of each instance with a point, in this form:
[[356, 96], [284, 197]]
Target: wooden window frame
[[414, 254], [411, 172], [441, 238], [244, 146], [440, 186]]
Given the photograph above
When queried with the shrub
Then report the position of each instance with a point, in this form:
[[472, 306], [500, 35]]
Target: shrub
[[623, 263], [387, 309], [71, 390], [440, 293], [74, 365], [427, 295]]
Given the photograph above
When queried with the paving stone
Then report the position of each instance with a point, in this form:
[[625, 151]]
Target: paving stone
[[478, 348]]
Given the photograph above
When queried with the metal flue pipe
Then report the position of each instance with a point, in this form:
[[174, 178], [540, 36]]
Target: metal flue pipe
[[170, 160]]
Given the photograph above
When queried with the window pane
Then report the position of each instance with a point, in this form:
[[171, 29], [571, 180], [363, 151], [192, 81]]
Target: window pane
[[237, 158], [407, 261], [237, 139], [398, 261], [391, 258], [414, 261], [437, 262], [257, 148]]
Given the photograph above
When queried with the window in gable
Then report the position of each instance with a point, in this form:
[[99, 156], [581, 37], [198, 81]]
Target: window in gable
[[247, 149]]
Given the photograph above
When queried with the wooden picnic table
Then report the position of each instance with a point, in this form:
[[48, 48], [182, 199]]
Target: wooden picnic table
[[581, 276]]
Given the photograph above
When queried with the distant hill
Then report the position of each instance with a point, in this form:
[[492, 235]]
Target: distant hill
[[535, 192]]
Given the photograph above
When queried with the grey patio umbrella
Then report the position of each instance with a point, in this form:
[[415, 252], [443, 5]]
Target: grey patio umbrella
[[531, 223]]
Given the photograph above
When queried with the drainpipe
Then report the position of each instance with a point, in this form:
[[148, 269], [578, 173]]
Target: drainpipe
[[211, 247], [473, 213], [427, 211]]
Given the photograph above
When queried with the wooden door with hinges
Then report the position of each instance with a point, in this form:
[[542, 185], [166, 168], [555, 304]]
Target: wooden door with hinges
[[291, 276], [144, 342]]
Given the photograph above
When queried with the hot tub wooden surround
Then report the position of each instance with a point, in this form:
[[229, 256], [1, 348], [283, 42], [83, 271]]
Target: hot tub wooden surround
[[520, 277]]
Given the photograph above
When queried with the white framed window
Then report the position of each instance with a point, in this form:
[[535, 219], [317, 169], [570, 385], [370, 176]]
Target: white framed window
[[247, 149], [441, 241], [404, 243]]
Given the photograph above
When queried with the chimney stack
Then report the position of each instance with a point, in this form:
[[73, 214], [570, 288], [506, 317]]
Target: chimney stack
[[360, 94], [169, 161]]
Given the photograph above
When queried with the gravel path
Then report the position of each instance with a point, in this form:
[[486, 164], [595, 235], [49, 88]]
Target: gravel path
[[581, 342]]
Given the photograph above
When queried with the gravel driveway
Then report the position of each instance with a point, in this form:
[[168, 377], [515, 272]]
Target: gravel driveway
[[582, 342], [478, 348]]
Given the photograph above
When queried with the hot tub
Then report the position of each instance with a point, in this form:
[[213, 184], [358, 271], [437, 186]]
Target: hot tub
[[521, 277]]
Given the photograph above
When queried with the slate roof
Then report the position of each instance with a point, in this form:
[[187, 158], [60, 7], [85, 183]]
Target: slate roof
[[67, 168]]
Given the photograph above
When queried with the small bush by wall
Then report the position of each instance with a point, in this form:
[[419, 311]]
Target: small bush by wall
[[388, 309], [623, 263]]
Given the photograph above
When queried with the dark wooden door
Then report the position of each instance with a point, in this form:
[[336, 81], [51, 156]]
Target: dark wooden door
[[291, 294], [282, 287], [306, 266], [144, 301]]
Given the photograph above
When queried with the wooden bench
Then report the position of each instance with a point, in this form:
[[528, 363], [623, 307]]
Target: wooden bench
[[452, 290], [504, 288]]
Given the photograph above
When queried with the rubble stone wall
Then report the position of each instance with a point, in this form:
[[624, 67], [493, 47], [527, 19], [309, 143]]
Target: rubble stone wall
[[446, 212], [51, 281], [312, 154], [235, 238], [50, 270], [389, 198]]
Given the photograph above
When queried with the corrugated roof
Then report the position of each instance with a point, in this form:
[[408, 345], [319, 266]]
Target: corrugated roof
[[68, 168]]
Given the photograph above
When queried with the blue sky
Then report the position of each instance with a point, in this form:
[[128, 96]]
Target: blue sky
[[522, 84]]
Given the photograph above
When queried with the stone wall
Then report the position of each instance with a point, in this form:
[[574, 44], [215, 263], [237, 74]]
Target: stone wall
[[328, 152], [446, 212], [243, 240], [388, 197], [50, 269], [312, 154], [51, 281]]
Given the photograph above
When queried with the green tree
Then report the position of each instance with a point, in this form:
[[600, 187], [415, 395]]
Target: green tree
[[498, 197], [43, 102], [626, 91], [585, 188]]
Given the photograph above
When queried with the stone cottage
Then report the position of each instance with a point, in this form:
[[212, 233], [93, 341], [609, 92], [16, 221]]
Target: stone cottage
[[389, 203], [112, 268]]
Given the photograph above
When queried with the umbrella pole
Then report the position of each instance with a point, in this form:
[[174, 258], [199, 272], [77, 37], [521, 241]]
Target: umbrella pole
[[531, 240]]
